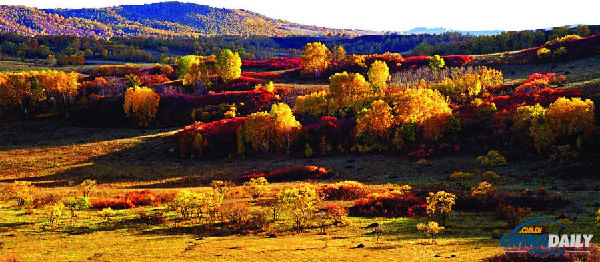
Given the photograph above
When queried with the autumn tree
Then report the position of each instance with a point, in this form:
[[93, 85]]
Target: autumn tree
[[286, 126], [198, 76], [316, 57], [344, 87], [440, 205], [424, 107], [141, 105], [376, 120], [338, 54], [378, 75], [258, 131], [228, 65], [436, 62], [300, 202]]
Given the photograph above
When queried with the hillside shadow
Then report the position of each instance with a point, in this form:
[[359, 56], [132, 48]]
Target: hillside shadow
[[49, 133]]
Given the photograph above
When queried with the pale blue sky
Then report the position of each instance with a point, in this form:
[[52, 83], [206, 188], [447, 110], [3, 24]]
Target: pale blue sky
[[392, 15]]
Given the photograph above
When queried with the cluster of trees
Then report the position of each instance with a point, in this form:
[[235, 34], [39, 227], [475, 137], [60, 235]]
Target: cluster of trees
[[506, 41], [26, 90]]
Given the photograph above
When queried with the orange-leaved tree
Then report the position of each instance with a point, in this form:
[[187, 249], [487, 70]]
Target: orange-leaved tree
[[141, 105], [316, 57]]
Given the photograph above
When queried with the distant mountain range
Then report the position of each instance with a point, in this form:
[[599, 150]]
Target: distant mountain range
[[441, 30], [157, 19]]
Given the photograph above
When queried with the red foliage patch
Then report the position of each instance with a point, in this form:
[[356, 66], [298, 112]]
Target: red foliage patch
[[129, 200], [262, 75], [150, 80], [389, 205], [544, 97], [539, 81], [219, 138], [243, 83], [274, 64], [295, 173]]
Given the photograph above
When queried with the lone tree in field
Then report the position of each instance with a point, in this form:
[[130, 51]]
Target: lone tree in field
[[378, 74], [316, 57], [440, 205], [229, 65]]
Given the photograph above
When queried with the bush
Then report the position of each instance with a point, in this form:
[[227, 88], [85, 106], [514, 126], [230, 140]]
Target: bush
[[537, 82], [129, 200], [86, 186], [511, 215], [397, 203], [141, 105], [346, 190], [54, 212], [436, 62], [218, 138], [73, 204], [300, 202], [107, 213], [430, 230], [337, 213], [296, 173], [562, 40], [544, 53], [490, 175], [257, 187], [20, 191], [492, 158], [188, 203]]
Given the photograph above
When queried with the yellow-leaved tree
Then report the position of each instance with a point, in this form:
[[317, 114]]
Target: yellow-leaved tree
[[141, 105], [228, 65], [376, 120], [286, 126], [338, 54], [316, 57], [344, 87], [198, 76], [378, 75], [258, 131], [427, 108]]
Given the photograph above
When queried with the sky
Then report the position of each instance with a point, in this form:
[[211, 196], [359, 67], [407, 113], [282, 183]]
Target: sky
[[398, 15]]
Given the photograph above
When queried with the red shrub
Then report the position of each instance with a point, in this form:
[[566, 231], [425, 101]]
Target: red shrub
[[262, 75], [346, 190], [274, 64], [389, 204], [243, 83], [150, 80], [114, 203], [537, 82], [544, 97], [129, 200], [295, 173], [218, 138]]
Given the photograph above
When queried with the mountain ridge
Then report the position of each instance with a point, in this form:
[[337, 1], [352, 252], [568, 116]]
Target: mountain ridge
[[164, 19]]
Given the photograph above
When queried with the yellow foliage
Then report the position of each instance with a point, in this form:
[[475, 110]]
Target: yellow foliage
[[425, 107], [560, 40], [378, 74], [141, 104], [570, 116], [314, 103], [37, 86], [316, 57], [345, 87], [376, 121], [228, 65], [286, 126]]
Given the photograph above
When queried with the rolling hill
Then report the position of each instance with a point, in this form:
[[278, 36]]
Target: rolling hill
[[157, 19]]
